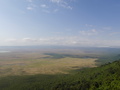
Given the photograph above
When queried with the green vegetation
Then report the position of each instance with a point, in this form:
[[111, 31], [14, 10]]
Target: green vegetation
[[109, 57], [105, 77]]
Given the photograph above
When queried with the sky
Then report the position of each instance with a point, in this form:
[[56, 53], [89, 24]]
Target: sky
[[94, 23]]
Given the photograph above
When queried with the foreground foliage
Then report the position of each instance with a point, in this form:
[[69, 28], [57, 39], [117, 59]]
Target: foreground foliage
[[105, 77]]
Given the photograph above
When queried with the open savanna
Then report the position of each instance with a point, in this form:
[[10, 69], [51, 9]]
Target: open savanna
[[37, 62]]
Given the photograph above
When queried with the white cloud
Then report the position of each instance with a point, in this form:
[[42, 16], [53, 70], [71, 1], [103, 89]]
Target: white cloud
[[89, 32], [29, 40], [57, 1], [30, 8], [66, 41], [62, 3], [55, 4], [11, 40], [43, 6], [69, 7], [66, 6]]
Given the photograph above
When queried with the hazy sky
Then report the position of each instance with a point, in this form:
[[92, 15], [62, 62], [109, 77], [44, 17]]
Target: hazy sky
[[60, 22]]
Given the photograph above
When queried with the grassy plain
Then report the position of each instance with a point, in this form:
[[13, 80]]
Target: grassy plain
[[38, 62], [32, 61]]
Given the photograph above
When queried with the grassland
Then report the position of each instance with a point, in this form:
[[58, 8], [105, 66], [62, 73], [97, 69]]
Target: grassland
[[42, 62], [52, 61]]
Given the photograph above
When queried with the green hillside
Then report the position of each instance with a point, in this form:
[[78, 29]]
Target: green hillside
[[105, 77]]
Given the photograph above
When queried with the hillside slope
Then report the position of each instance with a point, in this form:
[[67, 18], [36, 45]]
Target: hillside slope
[[105, 77]]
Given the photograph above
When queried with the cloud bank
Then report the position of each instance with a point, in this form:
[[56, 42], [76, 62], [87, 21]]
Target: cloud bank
[[61, 41]]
